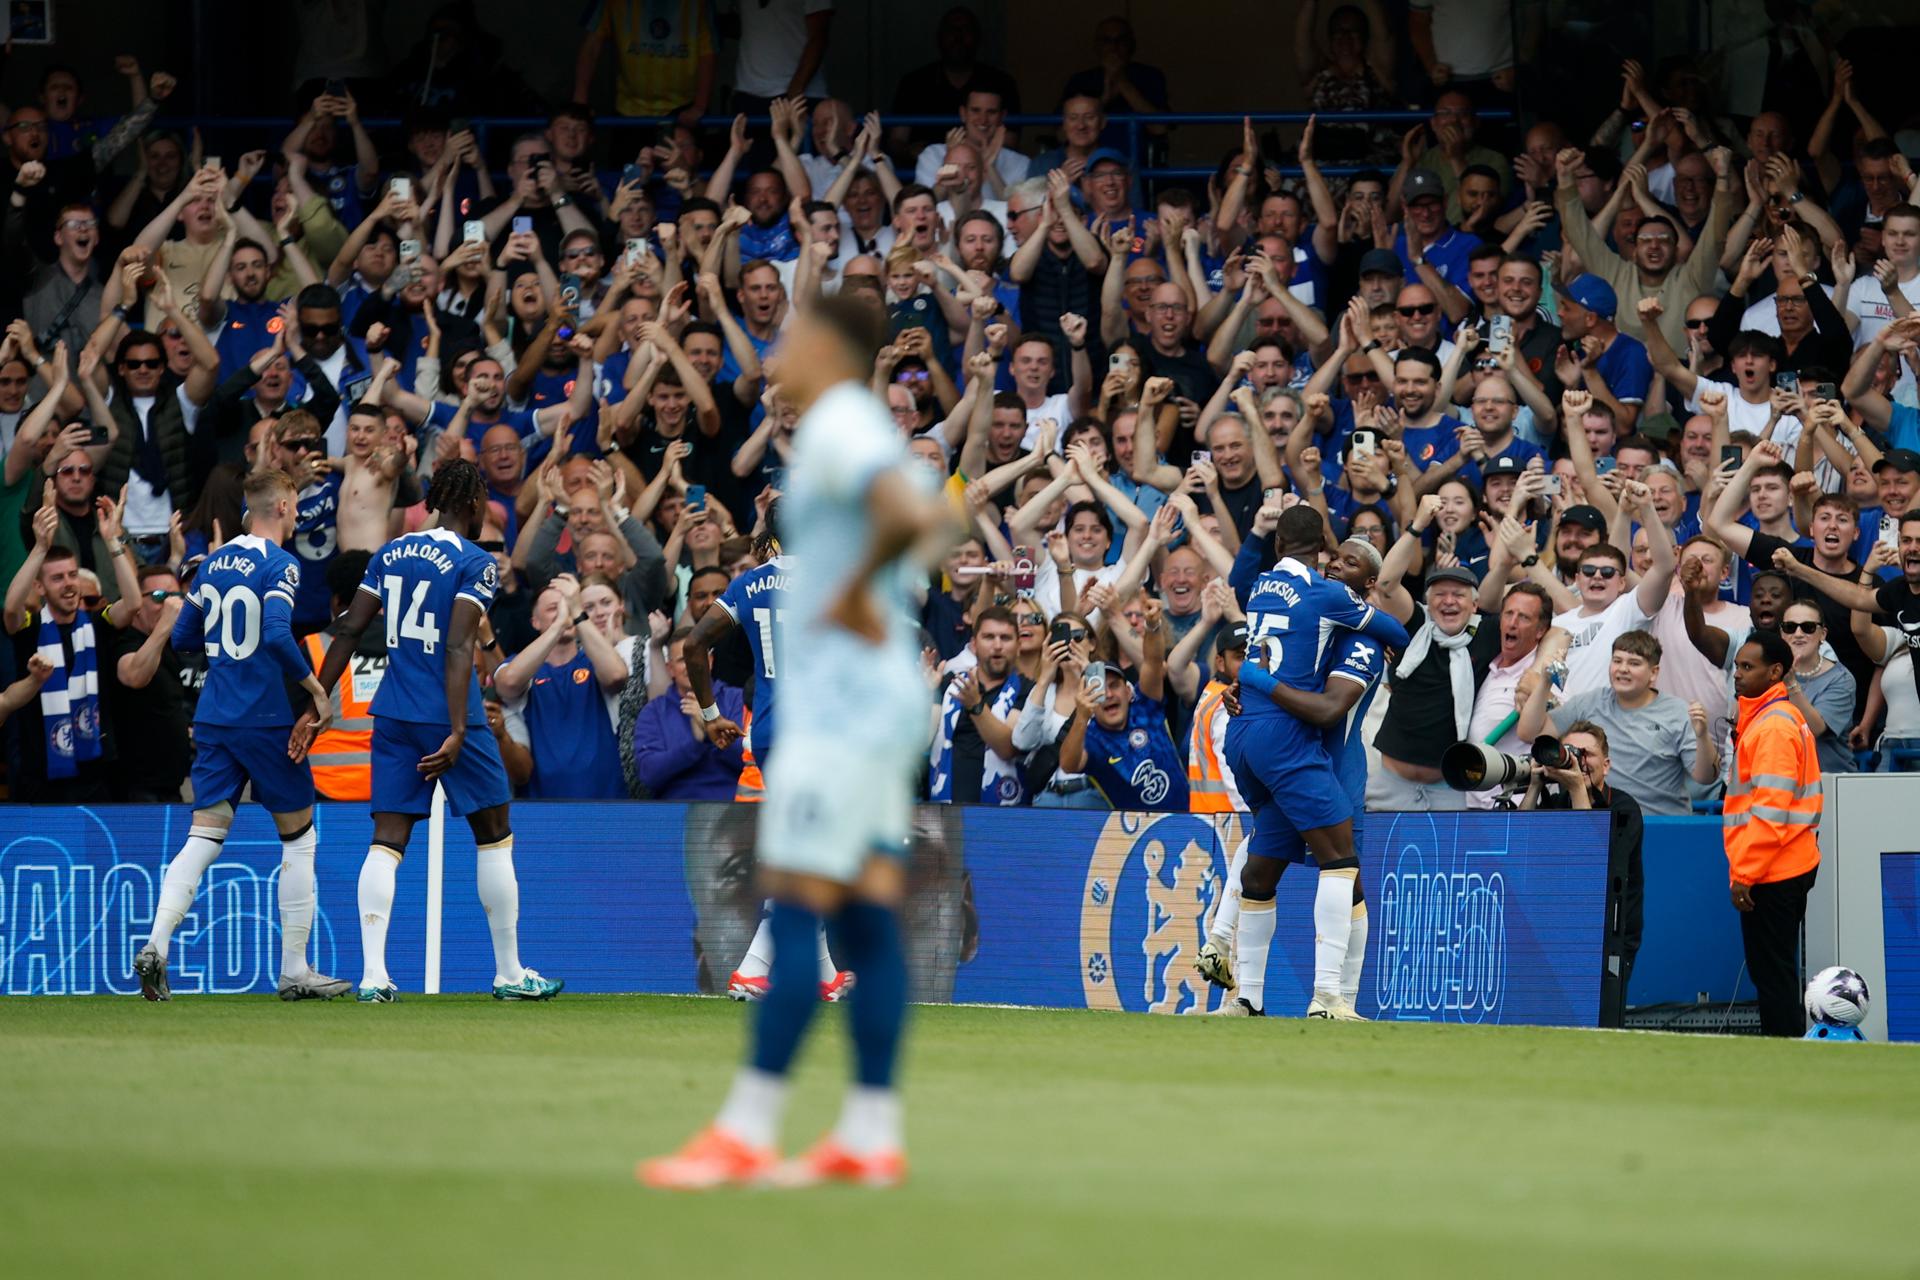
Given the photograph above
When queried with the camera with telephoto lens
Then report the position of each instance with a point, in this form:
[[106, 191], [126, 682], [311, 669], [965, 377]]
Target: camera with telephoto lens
[[1475, 766]]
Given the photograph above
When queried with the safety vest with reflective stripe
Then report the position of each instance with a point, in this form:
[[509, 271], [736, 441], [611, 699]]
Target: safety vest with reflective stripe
[[1210, 786], [341, 756], [1772, 814]]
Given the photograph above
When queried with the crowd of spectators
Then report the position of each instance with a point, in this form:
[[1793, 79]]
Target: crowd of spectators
[[1604, 390]]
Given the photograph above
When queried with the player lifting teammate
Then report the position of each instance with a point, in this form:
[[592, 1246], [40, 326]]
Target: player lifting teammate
[[434, 586], [242, 605], [1295, 615], [862, 521]]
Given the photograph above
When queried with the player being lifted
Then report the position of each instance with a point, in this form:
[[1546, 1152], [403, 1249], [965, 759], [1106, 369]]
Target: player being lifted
[[242, 606], [1294, 615], [862, 521], [756, 602], [1350, 675], [433, 586]]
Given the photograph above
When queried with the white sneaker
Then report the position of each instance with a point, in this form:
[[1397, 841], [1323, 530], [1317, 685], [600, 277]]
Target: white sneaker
[[1332, 1005], [1238, 1008]]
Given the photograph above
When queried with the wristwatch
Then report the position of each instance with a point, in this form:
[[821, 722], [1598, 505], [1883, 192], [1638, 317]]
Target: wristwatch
[[560, 201], [1530, 561], [709, 714], [1372, 347], [580, 618]]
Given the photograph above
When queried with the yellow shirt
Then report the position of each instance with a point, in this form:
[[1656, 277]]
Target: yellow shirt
[[658, 45]]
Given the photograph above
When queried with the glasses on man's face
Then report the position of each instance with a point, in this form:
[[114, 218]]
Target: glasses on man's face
[[91, 602], [1654, 238], [304, 444], [75, 469], [28, 126], [79, 224], [1168, 308], [158, 596], [505, 447], [1799, 628], [1601, 571], [1021, 213], [1701, 323], [1485, 400], [584, 251], [320, 330], [1423, 309], [146, 362], [1354, 379]]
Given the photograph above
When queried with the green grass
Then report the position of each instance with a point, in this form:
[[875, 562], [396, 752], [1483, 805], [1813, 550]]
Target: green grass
[[453, 1136]]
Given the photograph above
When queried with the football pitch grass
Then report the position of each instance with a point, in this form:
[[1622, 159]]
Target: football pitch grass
[[453, 1136]]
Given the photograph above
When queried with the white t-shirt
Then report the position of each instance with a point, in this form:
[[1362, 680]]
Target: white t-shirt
[[1896, 683], [1593, 636], [1868, 301], [1055, 407], [1010, 165], [1474, 37], [1751, 418], [1046, 583], [772, 35]]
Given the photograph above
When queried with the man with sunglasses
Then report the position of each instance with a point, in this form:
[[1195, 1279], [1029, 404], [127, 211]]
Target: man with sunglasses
[[1607, 610], [145, 687], [342, 359]]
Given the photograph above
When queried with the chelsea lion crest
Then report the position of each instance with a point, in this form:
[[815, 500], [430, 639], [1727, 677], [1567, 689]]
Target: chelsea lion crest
[[1153, 883]]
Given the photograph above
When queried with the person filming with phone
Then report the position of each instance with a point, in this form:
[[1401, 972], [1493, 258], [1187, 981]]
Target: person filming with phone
[[1117, 734]]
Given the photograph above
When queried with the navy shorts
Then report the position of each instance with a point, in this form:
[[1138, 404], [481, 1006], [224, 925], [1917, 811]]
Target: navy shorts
[[1288, 781], [227, 757], [478, 780]]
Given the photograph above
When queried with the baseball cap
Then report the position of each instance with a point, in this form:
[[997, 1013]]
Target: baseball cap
[[1900, 460], [1586, 517], [1504, 465], [1453, 573], [1595, 294], [1421, 183], [1101, 155], [1234, 637], [1383, 262]]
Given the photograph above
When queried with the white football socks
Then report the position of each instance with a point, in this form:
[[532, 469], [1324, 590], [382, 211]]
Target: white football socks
[[753, 1107], [1257, 922], [758, 961], [500, 895], [182, 881], [1356, 954], [1226, 914], [376, 906], [827, 972], [1332, 925], [869, 1121], [296, 902]]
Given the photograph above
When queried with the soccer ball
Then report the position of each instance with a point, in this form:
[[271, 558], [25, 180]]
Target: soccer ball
[[1837, 997]]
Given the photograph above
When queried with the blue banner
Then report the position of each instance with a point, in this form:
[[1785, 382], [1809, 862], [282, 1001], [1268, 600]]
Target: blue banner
[[1900, 922], [1474, 917], [1691, 941]]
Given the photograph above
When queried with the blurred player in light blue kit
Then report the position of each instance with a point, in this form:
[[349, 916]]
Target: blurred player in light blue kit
[[434, 587], [241, 613], [1283, 764], [863, 522], [756, 602]]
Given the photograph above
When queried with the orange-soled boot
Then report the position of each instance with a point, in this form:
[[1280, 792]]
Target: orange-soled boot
[[828, 1161], [712, 1158]]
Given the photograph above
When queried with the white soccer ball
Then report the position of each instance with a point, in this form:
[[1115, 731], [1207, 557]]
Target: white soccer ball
[[1837, 997]]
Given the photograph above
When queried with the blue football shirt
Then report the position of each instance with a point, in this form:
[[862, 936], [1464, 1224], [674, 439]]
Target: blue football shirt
[[1362, 659], [417, 578], [240, 612], [1292, 615], [755, 601]]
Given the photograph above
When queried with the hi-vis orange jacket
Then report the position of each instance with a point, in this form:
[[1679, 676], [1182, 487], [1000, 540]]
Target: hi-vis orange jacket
[[1210, 785], [341, 756], [1773, 803]]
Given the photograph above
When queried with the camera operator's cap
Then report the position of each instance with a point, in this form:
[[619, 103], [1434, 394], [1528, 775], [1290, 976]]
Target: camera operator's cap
[[1595, 294], [1453, 573], [1900, 460], [1233, 638], [1504, 465], [1106, 155], [1381, 262], [1586, 517], [1420, 184]]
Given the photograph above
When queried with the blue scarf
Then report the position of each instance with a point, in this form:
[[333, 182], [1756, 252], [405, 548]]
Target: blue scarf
[[1000, 782], [70, 699]]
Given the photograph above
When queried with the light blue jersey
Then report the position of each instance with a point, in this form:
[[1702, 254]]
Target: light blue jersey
[[831, 679]]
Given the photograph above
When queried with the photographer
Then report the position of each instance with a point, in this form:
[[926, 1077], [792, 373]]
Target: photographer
[[1585, 787]]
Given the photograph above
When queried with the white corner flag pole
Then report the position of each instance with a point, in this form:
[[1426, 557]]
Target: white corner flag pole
[[436, 879]]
